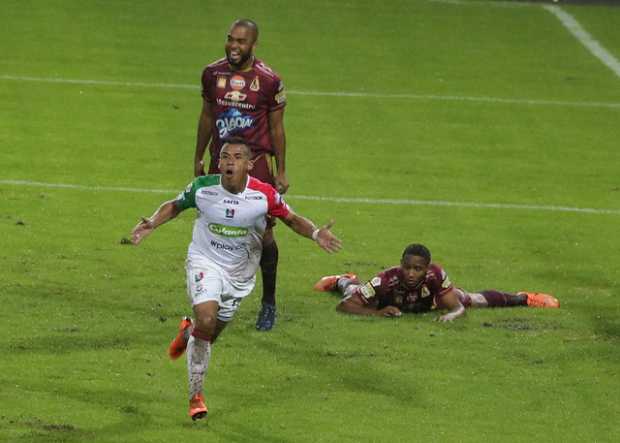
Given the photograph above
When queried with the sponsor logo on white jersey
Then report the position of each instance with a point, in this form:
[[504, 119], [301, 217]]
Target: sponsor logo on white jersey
[[228, 231], [225, 247]]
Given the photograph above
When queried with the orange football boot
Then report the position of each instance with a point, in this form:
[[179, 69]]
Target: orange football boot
[[197, 407], [540, 300], [329, 282], [178, 345]]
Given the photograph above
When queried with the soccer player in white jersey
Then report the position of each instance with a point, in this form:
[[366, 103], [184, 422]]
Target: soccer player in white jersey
[[225, 251]]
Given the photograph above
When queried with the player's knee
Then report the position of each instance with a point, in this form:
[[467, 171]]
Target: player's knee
[[477, 300], [350, 289], [206, 323]]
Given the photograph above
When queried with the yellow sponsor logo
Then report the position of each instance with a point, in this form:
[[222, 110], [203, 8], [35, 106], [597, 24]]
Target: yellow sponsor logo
[[255, 85]]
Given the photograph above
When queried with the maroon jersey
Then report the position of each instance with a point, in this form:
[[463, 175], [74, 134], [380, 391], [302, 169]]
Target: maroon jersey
[[389, 289], [241, 102]]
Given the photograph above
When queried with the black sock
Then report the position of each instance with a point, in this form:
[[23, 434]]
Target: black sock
[[497, 299], [343, 283], [269, 268]]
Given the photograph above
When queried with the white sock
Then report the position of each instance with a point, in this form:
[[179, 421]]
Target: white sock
[[198, 354]]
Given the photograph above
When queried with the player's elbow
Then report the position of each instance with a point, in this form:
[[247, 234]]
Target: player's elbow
[[343, 306], [347, 306]]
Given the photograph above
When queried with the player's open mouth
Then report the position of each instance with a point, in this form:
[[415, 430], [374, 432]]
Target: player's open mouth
[[228, 171]]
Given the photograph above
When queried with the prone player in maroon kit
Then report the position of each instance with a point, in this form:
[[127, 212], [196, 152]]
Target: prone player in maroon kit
[[243, 97], [418, 285]]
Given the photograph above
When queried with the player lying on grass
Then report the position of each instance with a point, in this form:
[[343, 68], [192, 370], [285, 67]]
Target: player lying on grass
[[418, 285], [224, 253]]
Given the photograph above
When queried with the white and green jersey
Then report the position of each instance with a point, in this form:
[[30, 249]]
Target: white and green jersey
[[229, 227]]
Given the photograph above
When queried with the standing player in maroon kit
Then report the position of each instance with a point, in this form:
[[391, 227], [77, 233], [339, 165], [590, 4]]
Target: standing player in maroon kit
[[243, 97], [418, 285]]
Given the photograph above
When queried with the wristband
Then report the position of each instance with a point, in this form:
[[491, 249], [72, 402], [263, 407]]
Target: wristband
[[315, 234]]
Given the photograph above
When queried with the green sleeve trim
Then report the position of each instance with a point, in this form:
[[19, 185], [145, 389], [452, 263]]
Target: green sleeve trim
[[187, 199]]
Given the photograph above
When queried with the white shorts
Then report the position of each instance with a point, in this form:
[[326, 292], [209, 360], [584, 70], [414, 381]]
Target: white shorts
[[207, 282]]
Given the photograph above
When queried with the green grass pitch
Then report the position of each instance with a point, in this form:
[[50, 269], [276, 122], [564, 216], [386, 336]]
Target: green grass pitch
[[465, 102]]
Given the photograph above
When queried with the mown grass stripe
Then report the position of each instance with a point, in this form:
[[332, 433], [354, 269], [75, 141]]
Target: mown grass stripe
[[356, 200], [403, 96]]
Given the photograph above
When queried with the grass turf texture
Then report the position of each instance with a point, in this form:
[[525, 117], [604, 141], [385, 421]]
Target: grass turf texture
[[85, 321]]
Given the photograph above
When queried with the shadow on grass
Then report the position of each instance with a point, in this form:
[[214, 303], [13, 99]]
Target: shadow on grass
[[67, 343], [352, 369], [606, 325], [129, 419]]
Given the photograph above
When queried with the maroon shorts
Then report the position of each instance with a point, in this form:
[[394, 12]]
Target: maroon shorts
[[262, 170]]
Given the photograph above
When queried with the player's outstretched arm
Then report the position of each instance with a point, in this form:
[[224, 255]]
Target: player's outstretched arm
[[167, 211], [351, 305], [451, 302], [203, 136], [323, 235]]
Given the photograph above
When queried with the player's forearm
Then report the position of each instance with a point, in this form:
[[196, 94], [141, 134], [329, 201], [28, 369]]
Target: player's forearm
[[167, 211], [454, 313], [279, 146], [278, 139], [301, 225], [349, 307]]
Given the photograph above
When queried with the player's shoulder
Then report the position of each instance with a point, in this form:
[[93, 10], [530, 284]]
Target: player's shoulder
[[265, 71], [435, 272], [205, 181], [391, 275], [265, 188], [218, 65], [259, 190]]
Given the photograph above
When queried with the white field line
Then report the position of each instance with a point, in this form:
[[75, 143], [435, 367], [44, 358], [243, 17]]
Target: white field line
[[405, 96], [584, 37], [509, 4], [356, 200], [567, 20]]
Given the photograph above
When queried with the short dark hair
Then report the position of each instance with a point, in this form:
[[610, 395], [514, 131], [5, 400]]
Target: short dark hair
[[419, 250], [237, 141], [247, 23]]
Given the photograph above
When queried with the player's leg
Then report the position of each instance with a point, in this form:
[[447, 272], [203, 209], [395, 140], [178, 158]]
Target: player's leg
[[345, 283], [269, 268], [179, 343], [492, 298], [205, 289], [199, 354], [262, 170]]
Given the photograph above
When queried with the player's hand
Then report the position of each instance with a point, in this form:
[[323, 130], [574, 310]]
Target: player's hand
[[390, 311], [446, 318], [281, 183], [326, 240], [199, 168], [142, 229]]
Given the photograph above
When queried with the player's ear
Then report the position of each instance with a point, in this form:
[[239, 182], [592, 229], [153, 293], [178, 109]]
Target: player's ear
[[250, 164]]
